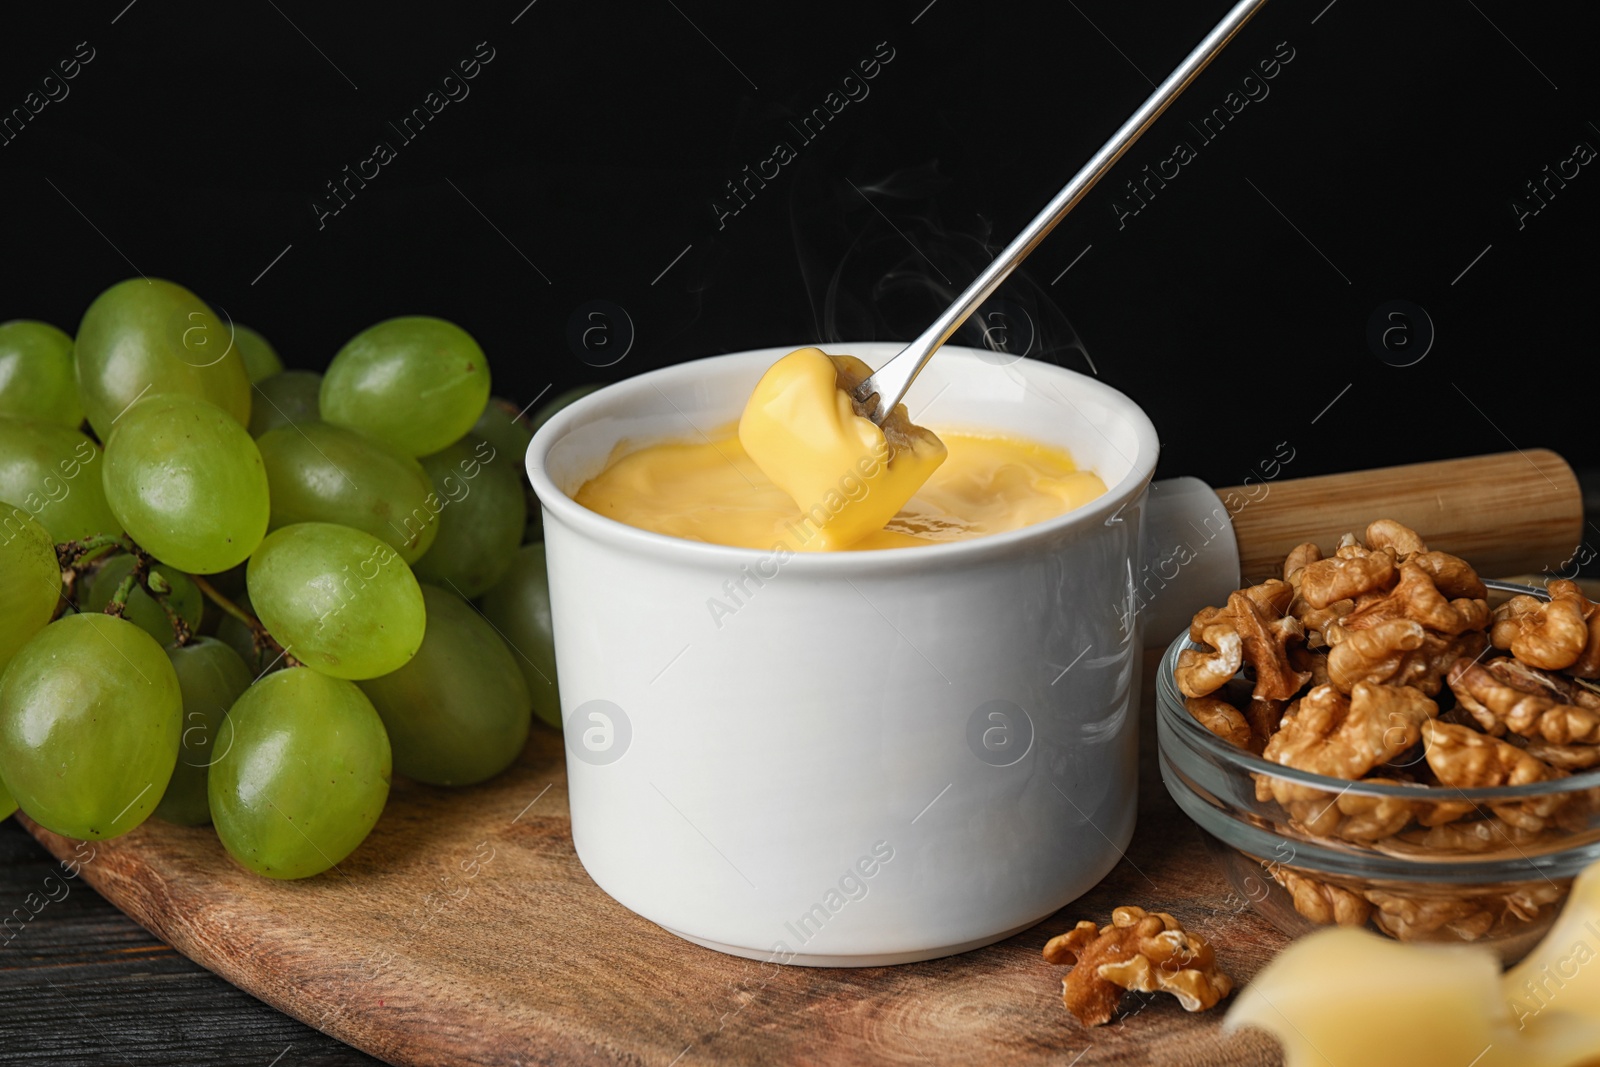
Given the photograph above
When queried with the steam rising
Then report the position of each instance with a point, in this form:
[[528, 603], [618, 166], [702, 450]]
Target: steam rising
[[870, 278]]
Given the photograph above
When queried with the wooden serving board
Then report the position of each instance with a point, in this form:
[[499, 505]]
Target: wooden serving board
[[465, 931]]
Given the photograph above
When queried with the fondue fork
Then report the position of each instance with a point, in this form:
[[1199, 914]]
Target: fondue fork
[[888, 384], [1516, 588]]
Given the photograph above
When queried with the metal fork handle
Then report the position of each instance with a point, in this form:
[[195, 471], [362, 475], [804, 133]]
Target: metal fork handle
[[891, 380], [1516, 587]]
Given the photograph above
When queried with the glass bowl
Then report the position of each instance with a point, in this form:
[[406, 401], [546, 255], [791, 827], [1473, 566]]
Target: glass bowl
[[1371, 861]]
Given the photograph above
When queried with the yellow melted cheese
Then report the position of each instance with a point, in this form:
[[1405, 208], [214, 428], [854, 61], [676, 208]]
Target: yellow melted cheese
[[807, 472]]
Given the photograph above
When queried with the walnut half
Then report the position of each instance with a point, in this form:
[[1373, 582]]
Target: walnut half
[[1466, 759], [1323, 902], [1553, 635], [1498, 707], [1145, 951]]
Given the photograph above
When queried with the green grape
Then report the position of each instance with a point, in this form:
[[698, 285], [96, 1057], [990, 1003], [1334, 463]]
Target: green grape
[[481, 515], [260, 358], [53, 473], [89, 726], [146, 337], [499, 426], [458, 712], [187, 483], [306, 777], [417, 383], [141, 610], [323, 473], [561, 400], [30, 580], [519, 609], [534, 530], [38, 379], [8, 806], [211, 676], [285, 399], [337, 599]]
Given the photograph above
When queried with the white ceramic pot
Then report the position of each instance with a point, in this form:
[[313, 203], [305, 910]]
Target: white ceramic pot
[[873, 757]]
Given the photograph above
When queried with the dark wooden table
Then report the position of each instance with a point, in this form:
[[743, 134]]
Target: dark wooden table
[[81, 983]]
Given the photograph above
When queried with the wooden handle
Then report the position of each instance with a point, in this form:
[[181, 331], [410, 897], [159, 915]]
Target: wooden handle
[[1506, 513]]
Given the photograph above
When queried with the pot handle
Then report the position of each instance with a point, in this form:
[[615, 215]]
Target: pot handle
[[1191, 556]]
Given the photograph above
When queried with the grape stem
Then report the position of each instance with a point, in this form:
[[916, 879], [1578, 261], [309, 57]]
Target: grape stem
[[84, 554], [154, 585], [264, 641], [117, 606], [160, 590], [75, 554]]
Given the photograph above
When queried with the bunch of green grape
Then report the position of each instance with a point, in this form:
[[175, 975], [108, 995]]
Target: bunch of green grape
[[241, 595]]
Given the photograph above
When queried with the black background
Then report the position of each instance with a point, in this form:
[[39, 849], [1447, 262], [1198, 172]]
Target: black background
[[592, 148], [1383, 165]]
